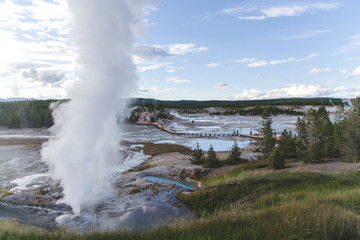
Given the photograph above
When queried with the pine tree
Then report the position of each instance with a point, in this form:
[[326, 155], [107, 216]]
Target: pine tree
[[276, 159], [287, 144], [235, 154], [350, 137], [316, 135], [268, 142], [325, 132], [211, 161], [197, 155], [339, 129]]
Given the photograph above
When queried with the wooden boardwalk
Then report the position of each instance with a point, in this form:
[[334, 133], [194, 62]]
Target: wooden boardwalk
[[205, 135]]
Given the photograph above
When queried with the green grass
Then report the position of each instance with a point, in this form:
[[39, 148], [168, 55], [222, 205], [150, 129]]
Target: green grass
[[261, 188], [247, 204], [293, 220]]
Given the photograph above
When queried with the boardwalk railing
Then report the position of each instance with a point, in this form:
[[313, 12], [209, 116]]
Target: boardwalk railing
[[235, 134]]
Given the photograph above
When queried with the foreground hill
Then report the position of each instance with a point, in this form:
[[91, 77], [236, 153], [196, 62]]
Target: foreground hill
[[251, 202]]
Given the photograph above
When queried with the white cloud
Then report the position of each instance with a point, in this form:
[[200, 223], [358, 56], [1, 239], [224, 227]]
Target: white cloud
[[222, 86], [258, 64], [319, 70], [353, 45], [352, 59], [244, 60], [152, 67], [257, 13], [293, 90], [236, 10], [145, 53], [303, 35], [262, 63], [184, 48], [343, 71], [155, 90], [51, 77], [177, 80], [214, 65], [253, 62], [172, 69], [35, 34], [355, 72]]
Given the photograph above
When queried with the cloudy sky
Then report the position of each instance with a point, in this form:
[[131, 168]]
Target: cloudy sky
[[203, 49]]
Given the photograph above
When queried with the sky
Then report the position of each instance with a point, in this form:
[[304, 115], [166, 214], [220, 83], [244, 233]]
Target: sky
[[195, 49]]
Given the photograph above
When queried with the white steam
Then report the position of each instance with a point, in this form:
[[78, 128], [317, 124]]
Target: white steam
[[86, 138]]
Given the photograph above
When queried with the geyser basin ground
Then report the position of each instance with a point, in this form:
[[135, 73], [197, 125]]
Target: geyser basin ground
[[22, 170]]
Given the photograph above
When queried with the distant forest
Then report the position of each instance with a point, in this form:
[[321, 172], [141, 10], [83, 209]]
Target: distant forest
[[191, 104], [36, 113], [26, 114], [286, 106]]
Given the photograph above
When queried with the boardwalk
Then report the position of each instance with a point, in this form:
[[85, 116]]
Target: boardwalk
[[160, 126]]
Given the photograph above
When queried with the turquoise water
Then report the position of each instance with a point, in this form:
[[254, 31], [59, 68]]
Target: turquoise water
[[178, 182]]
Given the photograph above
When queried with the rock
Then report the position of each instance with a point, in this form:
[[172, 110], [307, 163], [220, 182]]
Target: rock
[[190, 172], [30, 199]]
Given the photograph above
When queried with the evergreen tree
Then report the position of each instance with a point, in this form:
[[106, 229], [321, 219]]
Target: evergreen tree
[[287, 144], [197, 155], [325, 132], [268, 142], [211, 161], [350, 137], [235, 154], [301, 148], [316, 135], [339, 129], [276, 159]]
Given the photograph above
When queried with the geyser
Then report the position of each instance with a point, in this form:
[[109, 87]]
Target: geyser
[[85, 132]]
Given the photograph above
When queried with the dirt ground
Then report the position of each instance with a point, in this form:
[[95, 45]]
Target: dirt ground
[[328, 166], [22, 141]]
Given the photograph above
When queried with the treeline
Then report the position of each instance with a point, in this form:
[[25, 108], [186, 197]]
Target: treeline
[[191, 104], [317, 137], [258, 110], [26, 114]]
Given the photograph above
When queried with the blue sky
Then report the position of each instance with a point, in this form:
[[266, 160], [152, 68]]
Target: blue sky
[[196, 49]]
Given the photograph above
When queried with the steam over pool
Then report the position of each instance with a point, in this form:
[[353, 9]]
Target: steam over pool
[[86, 140]]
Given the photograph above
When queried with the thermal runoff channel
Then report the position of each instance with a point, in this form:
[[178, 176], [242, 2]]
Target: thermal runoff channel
[[86, 138]]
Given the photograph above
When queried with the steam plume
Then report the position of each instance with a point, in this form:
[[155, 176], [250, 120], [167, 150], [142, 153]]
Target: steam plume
[[86, 135]]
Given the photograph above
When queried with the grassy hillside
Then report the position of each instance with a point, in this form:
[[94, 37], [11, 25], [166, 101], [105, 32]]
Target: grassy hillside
[[248, 204]]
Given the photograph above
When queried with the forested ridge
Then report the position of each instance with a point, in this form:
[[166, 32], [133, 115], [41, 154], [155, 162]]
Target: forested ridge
[[36, 113], [192, 104], [26, 114]]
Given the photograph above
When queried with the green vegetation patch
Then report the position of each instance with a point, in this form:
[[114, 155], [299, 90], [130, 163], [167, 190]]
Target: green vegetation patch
[[259, 190]]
